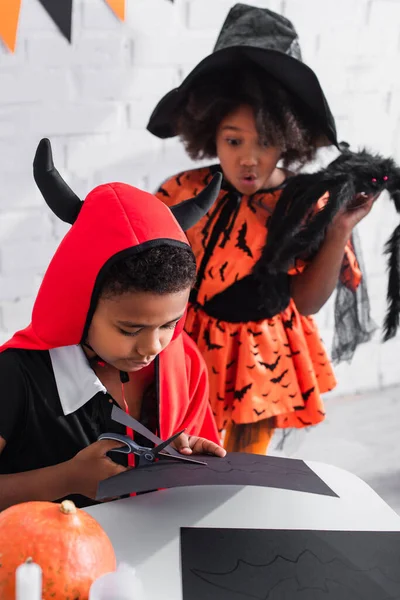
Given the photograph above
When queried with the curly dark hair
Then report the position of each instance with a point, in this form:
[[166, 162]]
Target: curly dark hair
[[163, 269], [281, 119]]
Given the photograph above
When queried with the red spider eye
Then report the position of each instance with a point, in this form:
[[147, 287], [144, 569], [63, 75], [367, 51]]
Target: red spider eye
[[385, 178], [373, 180]]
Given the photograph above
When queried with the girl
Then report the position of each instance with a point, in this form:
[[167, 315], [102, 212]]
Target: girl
[[256, 107], [106, 329]]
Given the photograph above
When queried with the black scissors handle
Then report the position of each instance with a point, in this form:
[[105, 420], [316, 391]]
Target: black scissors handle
[[130, 445], [146, 455]]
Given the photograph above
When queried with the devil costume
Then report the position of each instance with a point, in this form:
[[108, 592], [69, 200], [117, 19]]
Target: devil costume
[[264, 359], [53, 405]]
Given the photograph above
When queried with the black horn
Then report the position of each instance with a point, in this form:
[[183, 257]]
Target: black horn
[[189, 212], [64, 203]]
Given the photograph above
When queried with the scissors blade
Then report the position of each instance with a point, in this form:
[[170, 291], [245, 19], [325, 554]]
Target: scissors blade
[[163, 445], [183, 457], [121, 417]]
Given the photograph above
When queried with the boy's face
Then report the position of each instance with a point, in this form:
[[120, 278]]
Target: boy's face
[[246, 161], [129, 330]]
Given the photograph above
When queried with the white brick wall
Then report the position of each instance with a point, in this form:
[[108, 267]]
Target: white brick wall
[[94, 98]]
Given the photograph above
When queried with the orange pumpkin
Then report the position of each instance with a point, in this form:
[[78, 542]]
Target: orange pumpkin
[[66, 542]]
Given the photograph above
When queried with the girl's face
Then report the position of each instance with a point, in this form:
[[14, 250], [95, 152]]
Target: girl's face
[[246, 161], [129, 330]]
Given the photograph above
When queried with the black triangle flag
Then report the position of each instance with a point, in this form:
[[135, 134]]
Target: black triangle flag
[[61, 13]]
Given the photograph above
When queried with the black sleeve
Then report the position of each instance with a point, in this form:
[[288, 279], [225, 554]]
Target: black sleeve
[[13, 393]]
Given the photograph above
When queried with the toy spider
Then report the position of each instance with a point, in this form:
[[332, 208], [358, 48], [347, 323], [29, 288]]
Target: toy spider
[[297, 226]]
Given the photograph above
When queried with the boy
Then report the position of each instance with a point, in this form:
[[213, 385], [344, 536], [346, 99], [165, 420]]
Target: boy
[[106, 329]]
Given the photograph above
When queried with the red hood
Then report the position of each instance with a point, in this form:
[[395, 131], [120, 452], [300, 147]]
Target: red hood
[[114, 217]]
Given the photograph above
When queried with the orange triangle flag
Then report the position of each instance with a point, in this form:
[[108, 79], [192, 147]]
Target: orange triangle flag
[[118, 6], [9, 15]]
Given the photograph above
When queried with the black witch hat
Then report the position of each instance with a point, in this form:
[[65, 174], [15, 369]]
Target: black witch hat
[[66, 205], [264, 38]]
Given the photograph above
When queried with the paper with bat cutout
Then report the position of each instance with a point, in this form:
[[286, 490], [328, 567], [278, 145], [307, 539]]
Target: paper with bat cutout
[[234, 469], [253, 564]]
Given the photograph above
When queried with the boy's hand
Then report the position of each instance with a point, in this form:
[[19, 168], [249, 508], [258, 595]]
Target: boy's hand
[[92, 465], [191, 444]]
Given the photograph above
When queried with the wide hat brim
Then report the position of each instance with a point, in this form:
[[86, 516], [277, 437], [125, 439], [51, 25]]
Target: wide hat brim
[[293, 74]]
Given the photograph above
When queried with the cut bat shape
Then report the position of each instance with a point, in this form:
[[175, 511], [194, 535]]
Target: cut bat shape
[[222, 564]]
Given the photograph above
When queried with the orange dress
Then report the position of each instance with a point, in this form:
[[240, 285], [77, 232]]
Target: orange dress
[[271, 367]]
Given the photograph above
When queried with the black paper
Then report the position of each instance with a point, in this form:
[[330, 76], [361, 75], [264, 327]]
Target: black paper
[[234, 469], [61, 13], [243, 564]]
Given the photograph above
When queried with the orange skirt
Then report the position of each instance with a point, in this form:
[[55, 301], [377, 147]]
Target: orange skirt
[[272, 368]]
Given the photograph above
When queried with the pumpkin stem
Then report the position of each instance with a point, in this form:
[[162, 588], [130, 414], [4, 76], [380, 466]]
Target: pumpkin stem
[[67, 507], [29, 560]]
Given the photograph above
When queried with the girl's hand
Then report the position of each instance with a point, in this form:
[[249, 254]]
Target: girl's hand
[[349, 217], [191, 444]]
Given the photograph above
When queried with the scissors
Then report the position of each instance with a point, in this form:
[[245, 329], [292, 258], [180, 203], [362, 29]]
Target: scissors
[[146, 455]]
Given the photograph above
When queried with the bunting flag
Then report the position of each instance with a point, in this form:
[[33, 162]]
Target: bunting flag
[[9, 15], [61, 13], [118, 6]]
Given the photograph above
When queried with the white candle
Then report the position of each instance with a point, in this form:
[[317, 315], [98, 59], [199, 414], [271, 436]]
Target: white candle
[[28, 581], [122, 584]]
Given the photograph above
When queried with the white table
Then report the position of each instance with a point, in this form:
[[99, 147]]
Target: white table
[[145, 530]]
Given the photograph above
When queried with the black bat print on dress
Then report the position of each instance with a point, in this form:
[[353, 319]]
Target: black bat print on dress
[[254, 333], [209, 344], [270, 366], [239, 394], [258, 412], [241, 240], [305, 423], [280, 377], [163, 191], [222, 271], [288, 323], [307, 394]]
